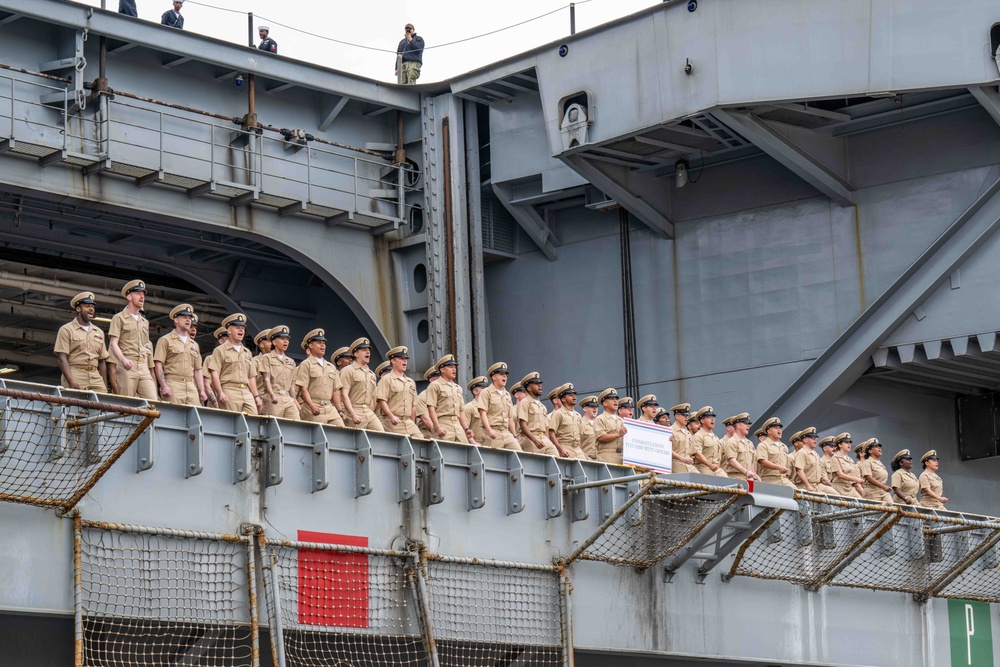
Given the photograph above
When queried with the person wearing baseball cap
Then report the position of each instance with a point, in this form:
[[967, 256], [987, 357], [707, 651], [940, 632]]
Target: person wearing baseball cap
[[80, 348], [931, 484], [129, 345], [609, 429], [231, 366], [705, 445], [397, 395], [358, 388], [177, 361], [772, 455], [588, 439], [496, 410], [905, 484]]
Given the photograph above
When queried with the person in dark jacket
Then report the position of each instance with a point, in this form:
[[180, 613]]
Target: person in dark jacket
[[266, 43], [172, 17], [411, 52], [127, 7]]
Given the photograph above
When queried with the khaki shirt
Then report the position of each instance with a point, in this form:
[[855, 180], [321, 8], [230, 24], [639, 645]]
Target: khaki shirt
[[777, 453], [282, 372], [681, 440], [707, 444], [846, 465], [875, 469], [420, 406], [534, 415], [588, 438], [498, 406], [399, 392], [605, 424], [742, 450], [446, 397], [931, 481], [472, 417], [180, 360], [907, 483], [568, 427], [807, 461], [84, 347], [320, 378], [133, 337], [233, 366], [360, 384]]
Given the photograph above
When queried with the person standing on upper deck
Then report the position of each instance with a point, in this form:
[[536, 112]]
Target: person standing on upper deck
[[410, 55], [266, 43], [80, 348], [128, 8], [359, 384], [172, 17], [129, 345]]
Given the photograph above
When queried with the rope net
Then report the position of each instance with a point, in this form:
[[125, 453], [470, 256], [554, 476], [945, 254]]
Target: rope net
[[931, 556], [338, 605], [486, 614], [809, 546], [53, 449], [159, 598], [666, 518]]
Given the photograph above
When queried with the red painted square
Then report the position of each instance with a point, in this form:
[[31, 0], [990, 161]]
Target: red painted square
[[333, 587]]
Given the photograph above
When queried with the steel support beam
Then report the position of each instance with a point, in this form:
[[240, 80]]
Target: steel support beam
[[796, 157], [641, 194], [529, 220], [988, 97], [850, 355]]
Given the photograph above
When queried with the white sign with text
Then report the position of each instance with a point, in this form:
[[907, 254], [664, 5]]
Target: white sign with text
[[647, 445]]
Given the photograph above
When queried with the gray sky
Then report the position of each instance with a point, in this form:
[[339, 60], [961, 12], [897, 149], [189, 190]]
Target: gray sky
[[379, 24]]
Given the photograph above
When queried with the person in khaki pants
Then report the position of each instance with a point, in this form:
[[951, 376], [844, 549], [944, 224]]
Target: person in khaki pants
[[177, 361], [276, 376], [80, 348], [397, 395], [129, 344], [231, 366], [318, 381], [445, 404], [533, 418], [609, 429], [496, 410], [706, 446], [358, 390]]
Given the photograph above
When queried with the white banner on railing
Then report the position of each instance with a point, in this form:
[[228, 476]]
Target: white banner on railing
[[647, 445]]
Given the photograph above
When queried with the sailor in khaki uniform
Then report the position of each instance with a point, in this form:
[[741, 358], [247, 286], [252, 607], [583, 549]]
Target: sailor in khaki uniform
[[566, 424], [681, 440], [177, 361], [626, 408], [931, 485], [772, 455], [588, 439], [905, 484], [231, 367], [738, 452], [342, 357], [80, 348], [496, 410], [533, 418], [796, 448], [129, 345], [609, 429], [859, 453], [808, 467], [396, 394], [476, 386], [843, 469], [445, 403], [318, 383], [647, 408], [221, 335], [277, 372], [662, 417], [705, 445], [730, 432], [431, 375], [263, 345], [381, 370], [828, 449], [359, 388], [517, 394], [554, 400], [874, 473]]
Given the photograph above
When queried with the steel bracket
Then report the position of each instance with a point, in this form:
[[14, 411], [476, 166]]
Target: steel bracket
[[93, 434], [275, 457], [553, 488], [145, 451], [58, 445], [634, 513], [605, 493], [578, 497], [435, 478], [320, 443], [477, 479], [194, 448], [407, 480], [242, 449], [362, 464], [515, 475]]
